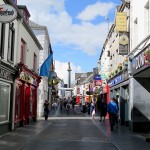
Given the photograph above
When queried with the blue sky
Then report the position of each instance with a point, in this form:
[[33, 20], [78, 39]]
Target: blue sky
[[77, 30]]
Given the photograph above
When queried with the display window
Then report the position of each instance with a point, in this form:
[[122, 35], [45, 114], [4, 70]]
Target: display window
[[5, 90], [18, 103]]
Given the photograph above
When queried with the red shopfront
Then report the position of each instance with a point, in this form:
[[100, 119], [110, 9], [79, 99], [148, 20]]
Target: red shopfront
[[26, 96]]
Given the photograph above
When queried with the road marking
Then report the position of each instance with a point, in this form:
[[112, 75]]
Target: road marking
[[68, 118]]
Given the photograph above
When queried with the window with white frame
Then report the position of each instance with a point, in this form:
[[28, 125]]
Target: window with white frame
[[11, 42], [2, 39], [147, 18], [135, 34], [23, 51], [4, 102], [35, 62]]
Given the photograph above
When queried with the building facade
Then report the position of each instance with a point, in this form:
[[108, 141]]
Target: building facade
[[42, 35], [139, 65], [19, 78]]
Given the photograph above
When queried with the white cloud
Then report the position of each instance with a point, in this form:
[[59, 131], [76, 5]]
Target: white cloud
[[62, 73], [95, 10], [84, 36]]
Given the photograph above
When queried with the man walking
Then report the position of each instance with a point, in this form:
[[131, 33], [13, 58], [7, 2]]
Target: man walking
[[112, 109]]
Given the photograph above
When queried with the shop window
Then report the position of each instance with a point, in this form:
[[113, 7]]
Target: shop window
[[4, 102], [2, 39]]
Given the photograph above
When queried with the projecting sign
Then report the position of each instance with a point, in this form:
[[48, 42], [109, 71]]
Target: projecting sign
[[7, 13], [121, 21], [123, 43]]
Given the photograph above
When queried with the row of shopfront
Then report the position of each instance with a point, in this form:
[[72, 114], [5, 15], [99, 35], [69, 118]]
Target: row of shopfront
[[18, 96], [131, 88]]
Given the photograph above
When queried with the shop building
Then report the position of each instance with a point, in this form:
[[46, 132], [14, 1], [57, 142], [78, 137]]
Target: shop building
[[140, 90], [139, 70], [19, 80]]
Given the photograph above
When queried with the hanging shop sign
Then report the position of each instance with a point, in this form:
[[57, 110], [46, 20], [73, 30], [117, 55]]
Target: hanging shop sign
[[7, 13], [97, 77], [123, 43], [121, 21], [97, 82]]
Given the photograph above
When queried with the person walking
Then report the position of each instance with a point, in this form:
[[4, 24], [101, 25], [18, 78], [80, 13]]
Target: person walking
[[103, 109], [98, 106], [112, 109], [46, 109]]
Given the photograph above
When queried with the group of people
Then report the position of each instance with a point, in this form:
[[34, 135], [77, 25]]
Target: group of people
[[67, 103], [102, 107]]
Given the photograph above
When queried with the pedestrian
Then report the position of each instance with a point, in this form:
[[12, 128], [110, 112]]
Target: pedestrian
[[103, 109], [98, 105], [93, 113], [92, 106], [112, 109], [68, 108], [61, 104], [46, 109]]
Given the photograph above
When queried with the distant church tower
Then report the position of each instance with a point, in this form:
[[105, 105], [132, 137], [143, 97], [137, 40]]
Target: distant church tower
[[69, 75]]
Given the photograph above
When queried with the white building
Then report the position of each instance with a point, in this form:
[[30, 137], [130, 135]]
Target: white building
[[42, 35], [139, 68], [19, 80]]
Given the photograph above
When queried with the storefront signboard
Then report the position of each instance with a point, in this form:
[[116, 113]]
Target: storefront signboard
[[7, 13], [142, 59], [116, 80], [5, 75]]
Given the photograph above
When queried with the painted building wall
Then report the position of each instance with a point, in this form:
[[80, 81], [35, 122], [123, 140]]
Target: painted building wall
[[43, 37], [139, 77], [31, 48]]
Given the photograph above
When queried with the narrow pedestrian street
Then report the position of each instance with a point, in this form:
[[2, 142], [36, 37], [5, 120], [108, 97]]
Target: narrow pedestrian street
[[72, 132]]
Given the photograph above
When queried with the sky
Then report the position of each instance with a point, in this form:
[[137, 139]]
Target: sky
[[77, 30]]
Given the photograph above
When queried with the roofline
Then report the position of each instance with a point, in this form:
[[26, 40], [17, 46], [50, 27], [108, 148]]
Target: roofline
[[41, 27]]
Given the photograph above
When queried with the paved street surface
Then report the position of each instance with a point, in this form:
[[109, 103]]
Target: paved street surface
[[75, 131]]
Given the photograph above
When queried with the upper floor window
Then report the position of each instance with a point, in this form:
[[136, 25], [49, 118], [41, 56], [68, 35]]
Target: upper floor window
[[35, 62], [135, 32], [11, 42], [147, 19], [2, 39], [15, 1], [23, 47]]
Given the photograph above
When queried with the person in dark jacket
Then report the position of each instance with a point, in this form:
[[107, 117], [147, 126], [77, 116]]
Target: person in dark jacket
[[46, 109], [98, 106], [103, 110]]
